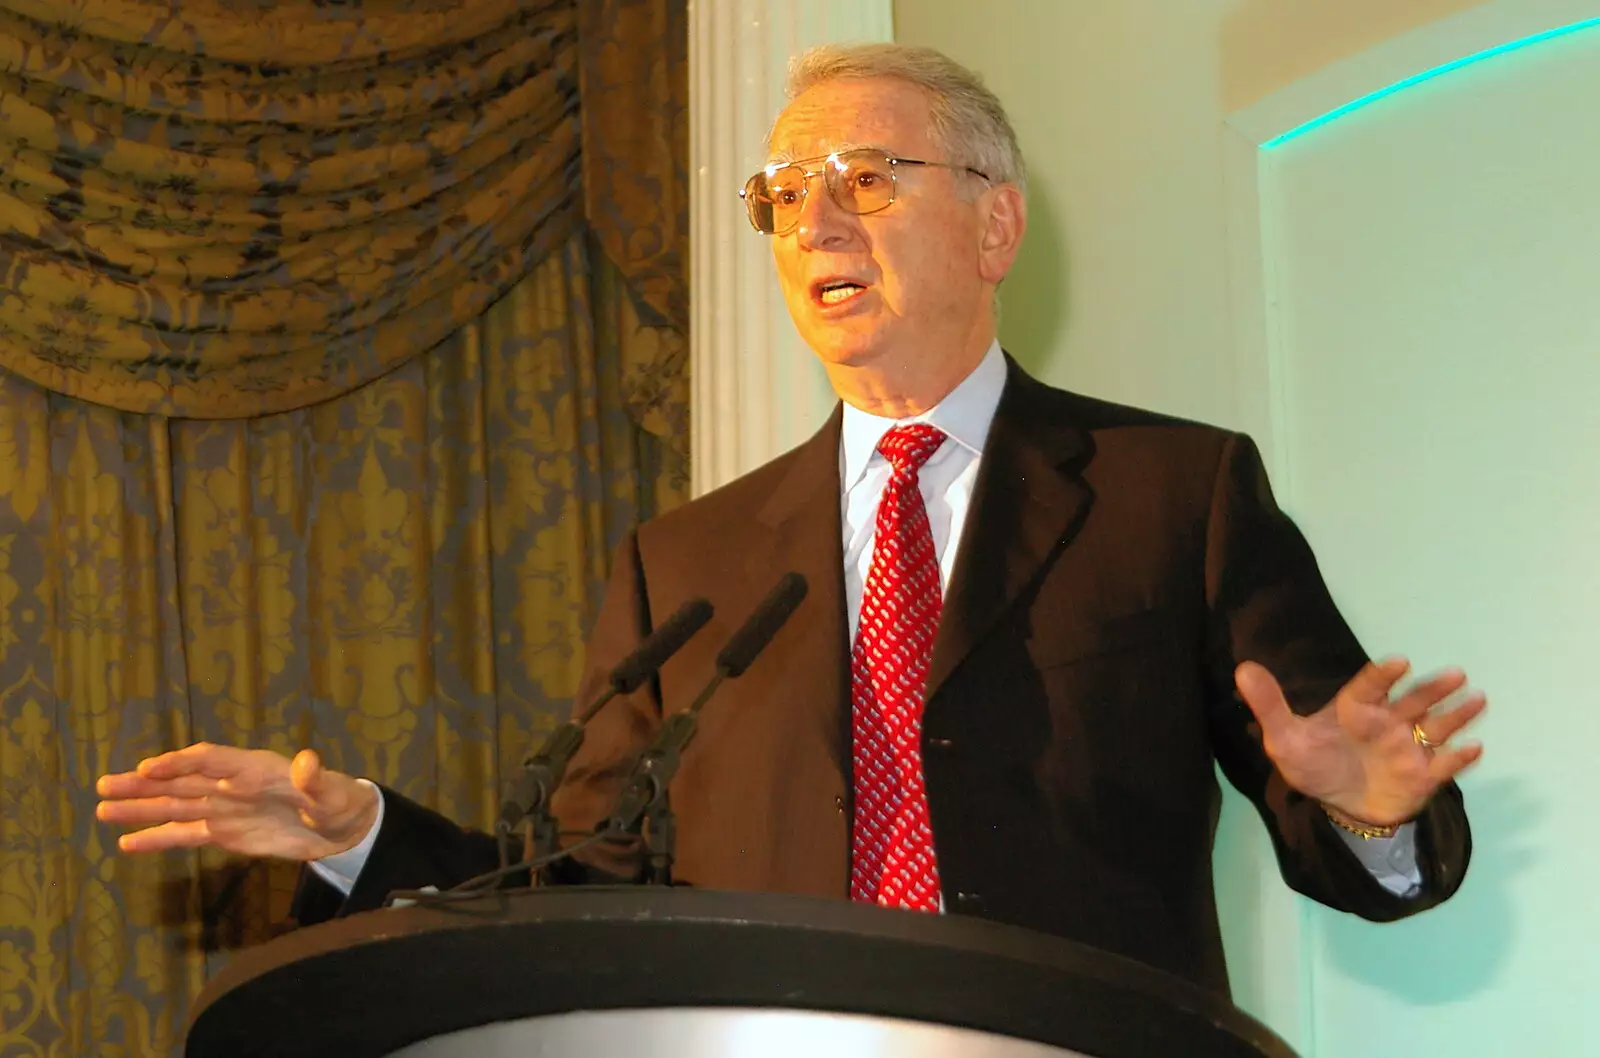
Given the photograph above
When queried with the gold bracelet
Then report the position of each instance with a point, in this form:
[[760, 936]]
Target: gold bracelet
[[1357, 827]]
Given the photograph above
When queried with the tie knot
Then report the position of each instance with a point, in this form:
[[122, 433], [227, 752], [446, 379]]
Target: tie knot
[[908, 447]]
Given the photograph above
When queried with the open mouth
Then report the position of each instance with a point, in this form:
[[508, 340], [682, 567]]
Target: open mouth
[[831, 292]]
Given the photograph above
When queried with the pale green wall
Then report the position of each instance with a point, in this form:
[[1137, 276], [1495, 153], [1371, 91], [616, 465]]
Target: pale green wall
[[1122, 289], [1435, 269], [1122, 285], [1127, 290]]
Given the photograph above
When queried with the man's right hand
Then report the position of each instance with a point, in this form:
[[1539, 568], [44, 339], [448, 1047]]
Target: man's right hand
[[249, 801]]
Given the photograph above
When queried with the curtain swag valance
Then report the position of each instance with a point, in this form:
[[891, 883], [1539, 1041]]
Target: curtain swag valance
[[239, 207]]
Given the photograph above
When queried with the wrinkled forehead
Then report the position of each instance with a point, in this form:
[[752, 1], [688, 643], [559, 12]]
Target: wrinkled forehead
[[837, 116], [778, 159]]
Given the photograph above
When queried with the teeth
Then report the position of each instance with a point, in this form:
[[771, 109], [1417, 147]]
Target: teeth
[[834, 295]]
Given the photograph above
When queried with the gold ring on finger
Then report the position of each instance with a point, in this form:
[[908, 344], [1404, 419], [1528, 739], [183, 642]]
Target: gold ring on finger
[[1421, 738]]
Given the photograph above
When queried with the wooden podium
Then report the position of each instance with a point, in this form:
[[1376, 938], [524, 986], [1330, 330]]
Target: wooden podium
[[674, 973]]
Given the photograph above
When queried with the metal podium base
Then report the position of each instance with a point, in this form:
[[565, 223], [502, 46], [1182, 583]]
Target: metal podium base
[[724, 1033]]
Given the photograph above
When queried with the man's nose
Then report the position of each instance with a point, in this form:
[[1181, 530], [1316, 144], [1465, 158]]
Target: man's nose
[[822, 221]]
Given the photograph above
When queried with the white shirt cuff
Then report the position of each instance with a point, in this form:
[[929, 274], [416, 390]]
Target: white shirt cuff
[[343, 868], [1391, 861]]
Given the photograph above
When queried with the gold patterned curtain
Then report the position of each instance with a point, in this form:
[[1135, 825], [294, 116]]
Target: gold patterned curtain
[[338, 343]]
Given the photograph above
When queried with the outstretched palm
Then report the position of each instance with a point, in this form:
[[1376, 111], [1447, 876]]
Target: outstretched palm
[[1360, 754], [253, 802]]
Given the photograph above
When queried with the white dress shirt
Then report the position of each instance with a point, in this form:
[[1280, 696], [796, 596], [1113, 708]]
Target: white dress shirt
[[946, 482]]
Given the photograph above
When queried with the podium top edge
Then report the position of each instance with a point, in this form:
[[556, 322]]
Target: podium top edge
[[644, 945]]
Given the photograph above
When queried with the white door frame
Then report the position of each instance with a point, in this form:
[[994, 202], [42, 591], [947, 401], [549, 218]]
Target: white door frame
[[1252, 134], [1261, 368]]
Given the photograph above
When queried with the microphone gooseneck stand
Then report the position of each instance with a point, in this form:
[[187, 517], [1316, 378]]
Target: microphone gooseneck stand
[[645, 798], [542, 772], [644, 810]]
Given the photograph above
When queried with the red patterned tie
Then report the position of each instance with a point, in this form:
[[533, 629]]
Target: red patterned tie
[[892, 860]]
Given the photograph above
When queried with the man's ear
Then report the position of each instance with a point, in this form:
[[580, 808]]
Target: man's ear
[[1005, 223]]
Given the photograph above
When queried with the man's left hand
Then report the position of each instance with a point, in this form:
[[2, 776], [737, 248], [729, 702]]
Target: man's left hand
[[1361, 754]]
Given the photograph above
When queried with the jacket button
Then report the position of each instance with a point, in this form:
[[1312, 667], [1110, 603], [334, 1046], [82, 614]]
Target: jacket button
[[838, 803], [969, 901], [940, 743]]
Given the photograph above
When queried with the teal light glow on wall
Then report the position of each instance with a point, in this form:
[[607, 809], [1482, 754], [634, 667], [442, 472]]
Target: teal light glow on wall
[[1428, 75], [1431, 245]]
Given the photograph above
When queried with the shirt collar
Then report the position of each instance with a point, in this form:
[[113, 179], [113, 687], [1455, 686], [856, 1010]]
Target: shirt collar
[[964, 415]]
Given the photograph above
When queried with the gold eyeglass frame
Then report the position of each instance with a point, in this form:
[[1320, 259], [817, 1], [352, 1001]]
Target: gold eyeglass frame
[[831, 165]]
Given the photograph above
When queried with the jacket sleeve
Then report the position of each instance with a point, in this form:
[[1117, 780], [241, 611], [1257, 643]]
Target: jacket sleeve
[[416, 846], [1267, 602]]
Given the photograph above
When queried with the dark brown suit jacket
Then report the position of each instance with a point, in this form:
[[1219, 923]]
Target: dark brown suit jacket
[[1115, 567]]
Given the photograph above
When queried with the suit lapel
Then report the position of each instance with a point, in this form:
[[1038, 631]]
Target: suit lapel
[[804, 534], [1029, 501]]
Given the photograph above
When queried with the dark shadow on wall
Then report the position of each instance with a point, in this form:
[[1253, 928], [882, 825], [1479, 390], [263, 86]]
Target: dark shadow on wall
[[1033, 299]]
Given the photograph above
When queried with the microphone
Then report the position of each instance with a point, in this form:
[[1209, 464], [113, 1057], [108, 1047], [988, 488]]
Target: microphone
[[752, 638], [543, 771], [653, 651], [653, 773]]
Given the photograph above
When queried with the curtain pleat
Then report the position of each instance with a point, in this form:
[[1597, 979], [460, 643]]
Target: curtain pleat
[[330, 373]]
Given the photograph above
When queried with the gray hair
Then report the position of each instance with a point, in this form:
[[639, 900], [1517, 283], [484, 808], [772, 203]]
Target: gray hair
[[967, 119]]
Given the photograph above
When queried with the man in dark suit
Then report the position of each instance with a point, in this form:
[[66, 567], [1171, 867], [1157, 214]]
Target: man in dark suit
[[1036, 620]]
